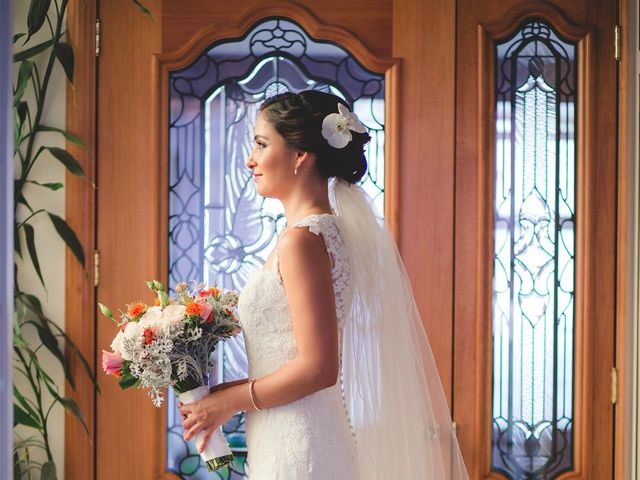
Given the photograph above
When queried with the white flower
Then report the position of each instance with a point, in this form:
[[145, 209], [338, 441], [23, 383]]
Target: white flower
[[337, 127], [131, 335], [173, 314], [116, 345]]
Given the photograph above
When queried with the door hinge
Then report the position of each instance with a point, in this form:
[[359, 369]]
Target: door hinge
[[96, 267], [97, 37], [616, 42], [614, 385]]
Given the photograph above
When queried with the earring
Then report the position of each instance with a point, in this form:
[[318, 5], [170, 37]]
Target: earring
[[295, 170]]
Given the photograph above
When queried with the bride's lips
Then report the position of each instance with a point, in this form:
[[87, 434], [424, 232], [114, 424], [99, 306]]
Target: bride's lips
[[258, 175]]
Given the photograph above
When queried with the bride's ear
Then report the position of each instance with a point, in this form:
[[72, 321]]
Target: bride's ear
[[303, 157]]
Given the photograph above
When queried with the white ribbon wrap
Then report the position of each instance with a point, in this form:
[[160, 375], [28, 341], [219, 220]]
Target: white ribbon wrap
[[217, 446]]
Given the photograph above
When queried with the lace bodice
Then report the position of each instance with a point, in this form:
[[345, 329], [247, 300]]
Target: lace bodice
[[310, 438], [327, 226]]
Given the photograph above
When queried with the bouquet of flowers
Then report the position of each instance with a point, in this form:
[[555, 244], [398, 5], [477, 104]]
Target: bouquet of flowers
[[170, 343]]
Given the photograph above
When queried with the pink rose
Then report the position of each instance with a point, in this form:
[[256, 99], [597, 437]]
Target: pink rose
[[206, 310], [111, 362]]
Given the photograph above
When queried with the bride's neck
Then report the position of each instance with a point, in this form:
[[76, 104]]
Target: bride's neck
[[306, 200]]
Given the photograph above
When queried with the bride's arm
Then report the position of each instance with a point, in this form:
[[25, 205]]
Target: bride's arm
[[306, 272], [225, 385]]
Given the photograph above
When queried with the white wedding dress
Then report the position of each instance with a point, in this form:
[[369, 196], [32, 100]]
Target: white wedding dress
[[311, 438]]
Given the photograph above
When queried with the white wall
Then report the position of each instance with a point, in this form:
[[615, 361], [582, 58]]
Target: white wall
[[51, 249]]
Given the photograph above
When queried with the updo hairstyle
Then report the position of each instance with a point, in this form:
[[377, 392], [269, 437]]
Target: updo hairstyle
[[298, 117]]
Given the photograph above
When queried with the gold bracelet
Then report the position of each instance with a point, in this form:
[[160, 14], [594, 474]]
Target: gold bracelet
[[253, 402]]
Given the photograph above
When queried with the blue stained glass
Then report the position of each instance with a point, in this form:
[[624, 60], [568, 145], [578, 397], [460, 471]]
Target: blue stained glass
[[533, 282], [220, 229]]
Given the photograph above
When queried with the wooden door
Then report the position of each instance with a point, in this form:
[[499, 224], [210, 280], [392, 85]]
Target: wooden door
[[535, 236], [135, 110]]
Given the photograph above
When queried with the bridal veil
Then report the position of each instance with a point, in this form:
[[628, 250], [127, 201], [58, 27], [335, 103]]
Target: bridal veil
[[394, 396]]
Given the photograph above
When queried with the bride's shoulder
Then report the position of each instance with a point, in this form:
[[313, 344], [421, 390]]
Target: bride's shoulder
[[300, 249]]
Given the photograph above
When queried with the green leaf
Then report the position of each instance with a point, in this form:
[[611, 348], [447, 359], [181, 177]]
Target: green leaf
[[17, 132], [73, 407], [24, 403], [67, 160], [127, 381], [49, 471], [51, 343], [24, 74], [29, 234], [18, 36], [17, 470], [16, 243], [23, 109], [20, 417], [75, 348], [30, 52], [143, 8], [50, 186], [37, 15], [69, 136], [64, 54], [34, 303], [69, 236], [23, 201]]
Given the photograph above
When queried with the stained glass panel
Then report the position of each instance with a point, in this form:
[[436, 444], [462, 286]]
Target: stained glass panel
[[533, 282], [220, 229]]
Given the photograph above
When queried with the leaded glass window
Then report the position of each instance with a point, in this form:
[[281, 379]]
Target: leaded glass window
[[220, 229], [533, 282]]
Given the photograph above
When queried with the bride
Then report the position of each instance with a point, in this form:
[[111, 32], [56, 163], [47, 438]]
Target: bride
[[342, 382]]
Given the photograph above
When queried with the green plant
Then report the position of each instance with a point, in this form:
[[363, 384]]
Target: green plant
[[31, 409]]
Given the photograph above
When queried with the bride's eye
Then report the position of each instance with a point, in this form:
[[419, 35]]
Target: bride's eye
[[259, 144]]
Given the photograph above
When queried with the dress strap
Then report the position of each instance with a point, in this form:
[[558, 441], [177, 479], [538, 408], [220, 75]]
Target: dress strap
[[307, 221]]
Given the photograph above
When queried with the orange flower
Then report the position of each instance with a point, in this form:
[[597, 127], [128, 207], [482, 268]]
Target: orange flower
[[156, 302], [136, 309], [193, 309], [213, 292]]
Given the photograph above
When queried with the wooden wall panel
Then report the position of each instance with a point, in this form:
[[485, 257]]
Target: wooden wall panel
[[80, 214], [625, 246], [370, 22], [127, 227], [424, 40]]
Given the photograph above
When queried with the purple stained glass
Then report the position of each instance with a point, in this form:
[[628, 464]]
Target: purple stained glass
[[533, 281], [220, 229]]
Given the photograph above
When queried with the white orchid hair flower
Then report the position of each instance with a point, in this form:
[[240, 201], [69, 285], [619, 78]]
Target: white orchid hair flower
[[337, 127]]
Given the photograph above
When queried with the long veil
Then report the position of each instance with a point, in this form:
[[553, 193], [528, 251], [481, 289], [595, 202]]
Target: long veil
[[393, 392]]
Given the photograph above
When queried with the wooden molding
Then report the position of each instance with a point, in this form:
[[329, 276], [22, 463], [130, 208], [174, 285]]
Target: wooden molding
[[543, 10], [624, 267], [80, 214], [218, 31]]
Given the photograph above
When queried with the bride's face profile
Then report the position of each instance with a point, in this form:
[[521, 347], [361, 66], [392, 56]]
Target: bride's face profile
[[270, 160]]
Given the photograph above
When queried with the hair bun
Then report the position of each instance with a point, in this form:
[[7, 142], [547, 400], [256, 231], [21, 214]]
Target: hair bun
[[298, 118]]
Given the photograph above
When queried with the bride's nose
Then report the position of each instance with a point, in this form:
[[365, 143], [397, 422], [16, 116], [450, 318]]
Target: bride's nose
[[250, 163]]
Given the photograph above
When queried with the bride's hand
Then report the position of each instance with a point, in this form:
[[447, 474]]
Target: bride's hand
[[206, 414]]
